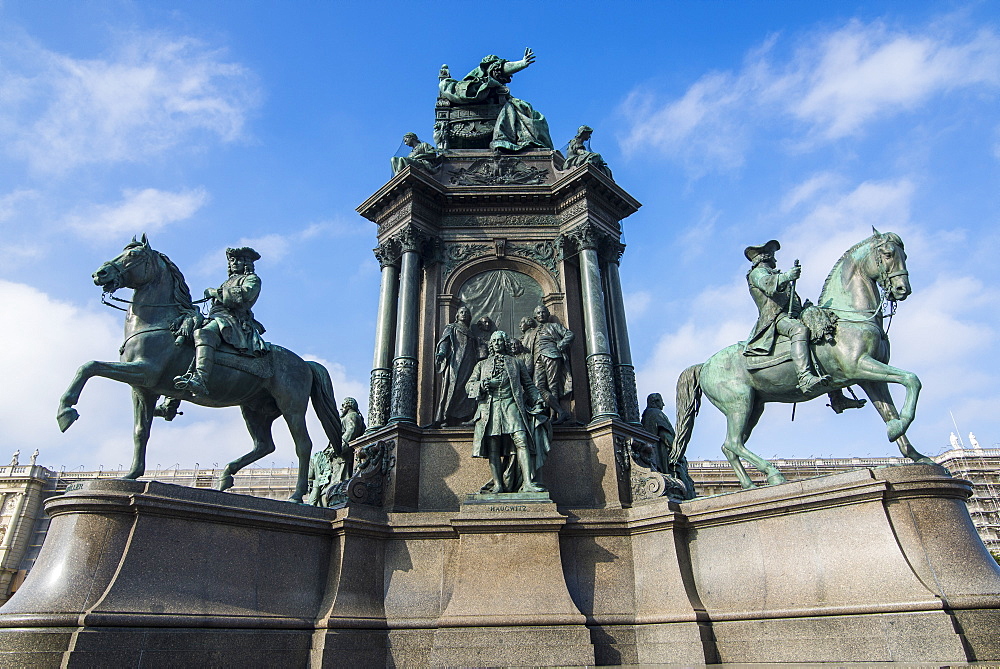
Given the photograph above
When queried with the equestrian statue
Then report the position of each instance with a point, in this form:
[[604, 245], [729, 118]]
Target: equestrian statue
[[171, 350], [777, 364]]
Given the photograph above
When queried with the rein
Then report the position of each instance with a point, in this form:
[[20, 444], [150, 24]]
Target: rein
[[121, 349], [118, 299]]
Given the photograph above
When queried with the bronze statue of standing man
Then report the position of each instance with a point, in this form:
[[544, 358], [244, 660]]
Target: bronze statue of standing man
[[551, 356], [457, 353], [510, 408]]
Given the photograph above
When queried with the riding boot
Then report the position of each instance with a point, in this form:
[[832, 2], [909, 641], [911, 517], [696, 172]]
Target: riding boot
[[807, 380], [838, 402], [197, 382], [167, 409]]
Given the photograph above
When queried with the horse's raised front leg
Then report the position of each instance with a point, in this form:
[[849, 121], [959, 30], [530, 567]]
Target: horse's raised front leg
[[143, 403], [132, 373], [878, 392], [870, 369], [259, 424]]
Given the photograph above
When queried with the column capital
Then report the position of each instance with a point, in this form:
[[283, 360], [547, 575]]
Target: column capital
[[388, 253], [588, 236]]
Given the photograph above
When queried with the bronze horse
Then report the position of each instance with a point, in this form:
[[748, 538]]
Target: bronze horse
[[858, 353], [158, 347]]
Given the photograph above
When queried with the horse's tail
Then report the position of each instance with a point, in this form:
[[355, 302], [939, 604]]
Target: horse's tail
[[688, 403], [325, 404]]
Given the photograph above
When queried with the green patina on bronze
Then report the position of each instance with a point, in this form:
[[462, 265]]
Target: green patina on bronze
[[850, 347], [158, 355], [512, 429]]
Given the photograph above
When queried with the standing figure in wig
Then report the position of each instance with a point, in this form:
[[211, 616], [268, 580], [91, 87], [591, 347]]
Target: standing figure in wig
[[511, 428], [551, 355]]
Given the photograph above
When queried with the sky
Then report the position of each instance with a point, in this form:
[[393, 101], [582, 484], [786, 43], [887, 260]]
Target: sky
[[215, 124]]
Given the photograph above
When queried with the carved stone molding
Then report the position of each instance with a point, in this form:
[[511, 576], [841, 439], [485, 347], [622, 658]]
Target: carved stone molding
[[498, 220], [498, 171], [378, 398], [544, 253], [628, 400], [638, 480], [403, 404], [453, 255], [600, 370], [375, 465]]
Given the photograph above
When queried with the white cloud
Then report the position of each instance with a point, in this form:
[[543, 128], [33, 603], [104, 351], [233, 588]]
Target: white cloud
[[39, 356], [152, 93], [148, 210], [862, 72], [834, 84]]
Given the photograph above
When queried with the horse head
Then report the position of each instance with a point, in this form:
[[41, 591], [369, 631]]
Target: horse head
[[132, 268], [889, 265]]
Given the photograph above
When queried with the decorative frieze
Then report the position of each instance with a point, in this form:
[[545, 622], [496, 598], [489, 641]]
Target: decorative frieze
[[497, 171]]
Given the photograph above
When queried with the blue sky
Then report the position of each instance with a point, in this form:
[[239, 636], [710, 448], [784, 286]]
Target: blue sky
[[217, 124]]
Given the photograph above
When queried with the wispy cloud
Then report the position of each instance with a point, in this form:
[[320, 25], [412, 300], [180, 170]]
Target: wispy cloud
[[147, 96], [148, 210], [833, 85]]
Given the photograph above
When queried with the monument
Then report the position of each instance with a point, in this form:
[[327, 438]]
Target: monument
[[508, 504]]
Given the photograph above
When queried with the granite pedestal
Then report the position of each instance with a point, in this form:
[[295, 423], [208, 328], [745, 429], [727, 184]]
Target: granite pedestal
[[870, 566]]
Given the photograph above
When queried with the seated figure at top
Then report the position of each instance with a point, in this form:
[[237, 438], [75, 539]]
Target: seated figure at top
[[577, 153], [518, 125], [422, 155]]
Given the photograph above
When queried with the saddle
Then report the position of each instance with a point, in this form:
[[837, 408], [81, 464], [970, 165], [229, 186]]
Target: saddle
[[822, 324], [261, 366]]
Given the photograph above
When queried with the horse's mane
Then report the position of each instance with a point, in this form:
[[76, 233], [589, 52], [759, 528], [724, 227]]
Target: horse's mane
[[884, 236], [181, 293]]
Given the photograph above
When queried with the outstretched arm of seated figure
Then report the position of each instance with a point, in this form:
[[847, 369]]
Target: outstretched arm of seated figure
[[510, 67]]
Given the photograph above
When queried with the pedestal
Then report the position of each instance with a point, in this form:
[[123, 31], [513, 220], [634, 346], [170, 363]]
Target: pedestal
[[510, 605]]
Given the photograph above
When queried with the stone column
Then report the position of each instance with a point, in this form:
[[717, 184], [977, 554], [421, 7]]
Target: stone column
[[600, 366], [404, 365], [628, 402], [385, 330]]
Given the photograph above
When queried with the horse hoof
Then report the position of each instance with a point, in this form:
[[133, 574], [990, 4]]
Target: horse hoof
[[67, 417], [749, 486], [895, 429], [296, 498], [776, 479], [225, 482]]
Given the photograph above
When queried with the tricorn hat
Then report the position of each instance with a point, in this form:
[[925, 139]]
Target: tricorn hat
[[770, 247], [244, 252]]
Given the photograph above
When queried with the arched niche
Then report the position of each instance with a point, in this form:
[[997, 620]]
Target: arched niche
[[502, 289]]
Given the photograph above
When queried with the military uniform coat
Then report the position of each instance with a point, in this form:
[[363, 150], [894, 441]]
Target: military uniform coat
[[772, 304], [233, 311], [522, 392]]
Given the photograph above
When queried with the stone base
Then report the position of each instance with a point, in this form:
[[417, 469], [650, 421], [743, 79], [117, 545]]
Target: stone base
[[869, 566]]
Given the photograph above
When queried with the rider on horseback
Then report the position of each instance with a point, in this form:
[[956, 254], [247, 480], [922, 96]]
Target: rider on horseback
[[230, 320], [779, 306]]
